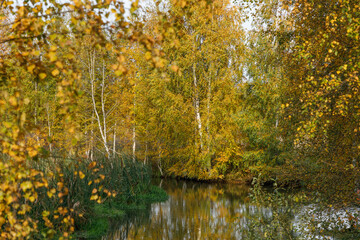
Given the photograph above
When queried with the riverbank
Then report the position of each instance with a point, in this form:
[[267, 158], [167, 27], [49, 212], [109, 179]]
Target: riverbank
[[116, 210], [78, 197], [245, 180]]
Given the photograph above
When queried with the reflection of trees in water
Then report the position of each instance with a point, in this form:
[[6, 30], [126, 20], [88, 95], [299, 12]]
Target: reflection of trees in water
[[195, 211], [120, 228]]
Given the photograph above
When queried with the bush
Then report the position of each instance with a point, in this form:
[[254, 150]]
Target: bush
[[76, 190]]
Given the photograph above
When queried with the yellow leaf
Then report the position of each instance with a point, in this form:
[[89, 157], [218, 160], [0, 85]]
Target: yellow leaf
[[26, 101], [55, 72], [81, 175], [32, 199], [13, 101], [9, 199], [42, 76], [8, 124], [39, 184], [31, 68], [2, 221], [121, 59], [148, 55], [45, 213], [52, 56], [114, 66], [53, 48], [183, 3], [94, 197], [159, 63], [26, 185], [60, 185], [22, 118], [108, 46], [59, 64], [91, 165], [50, 194], [174, 68], [32, 152]]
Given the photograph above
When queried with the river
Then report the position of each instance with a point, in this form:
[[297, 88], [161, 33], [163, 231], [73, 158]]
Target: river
[[198, 210]]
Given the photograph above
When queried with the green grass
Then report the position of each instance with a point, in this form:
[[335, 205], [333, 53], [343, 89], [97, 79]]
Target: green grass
[[105, 210], [103, 214], [94, 229], [131, 180]]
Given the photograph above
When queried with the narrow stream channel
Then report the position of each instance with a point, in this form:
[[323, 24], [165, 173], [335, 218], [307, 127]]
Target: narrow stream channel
[[197, 210]]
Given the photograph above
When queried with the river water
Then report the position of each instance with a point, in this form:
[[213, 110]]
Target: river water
[[211, 211]]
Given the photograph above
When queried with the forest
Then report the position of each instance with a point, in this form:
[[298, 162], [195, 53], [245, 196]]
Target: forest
[[96, 99]]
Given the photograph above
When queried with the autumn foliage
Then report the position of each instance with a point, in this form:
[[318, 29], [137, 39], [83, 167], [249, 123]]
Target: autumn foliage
[[179, 85]]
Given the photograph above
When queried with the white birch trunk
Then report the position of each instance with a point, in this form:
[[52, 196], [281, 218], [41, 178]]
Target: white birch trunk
[[134, 127], [196, 97], [159, 162], [197, 106], [92, 138], [101, 124], [134, 144], [208, 114], [146, 152]]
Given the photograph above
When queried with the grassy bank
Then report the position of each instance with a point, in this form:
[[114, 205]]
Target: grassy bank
[[116, 210], [87, 194]]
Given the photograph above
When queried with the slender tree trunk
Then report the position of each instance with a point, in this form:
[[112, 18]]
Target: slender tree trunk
[[146, 143], [92, 137], [35, 114], [208, 112], [197, 101], [134, 144], [102, 129], [49, 125], [103, 110], [208, 140], [146, 151], [134, 127], [159, 162], [114, 141]]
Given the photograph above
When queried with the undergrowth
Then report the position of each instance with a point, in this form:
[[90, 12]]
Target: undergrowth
[[90, 193]]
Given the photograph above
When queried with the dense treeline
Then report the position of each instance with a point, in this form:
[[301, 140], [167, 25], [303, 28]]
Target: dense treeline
[[182, 86]]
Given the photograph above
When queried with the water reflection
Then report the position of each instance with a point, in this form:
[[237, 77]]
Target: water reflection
[[194, 211]]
